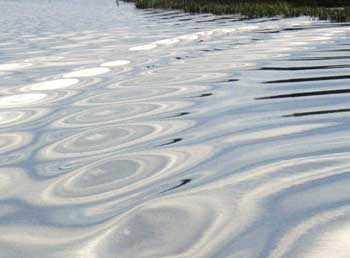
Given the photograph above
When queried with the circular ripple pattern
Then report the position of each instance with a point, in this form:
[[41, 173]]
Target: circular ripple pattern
[[108, 138], [109, 177]]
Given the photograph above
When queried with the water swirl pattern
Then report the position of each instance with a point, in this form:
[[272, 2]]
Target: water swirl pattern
[[148, 133]]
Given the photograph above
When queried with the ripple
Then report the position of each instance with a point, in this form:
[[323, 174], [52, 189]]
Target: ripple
[[69, 46], [318, 236], [168, 227], [19, 117], [50, 85], [191, 37], [12, 141], [117, 113], [269, 195], [19, 100], [188, 37], [40, 59], [181, 74], [122, 175], [87, 72], [319, 112], [112, 175], [143, 47], [101, 140], [116, 63], [14, 66], [167, 41], [9, 117], [275, 132], [106, 115], [334, 241], [130, 94]]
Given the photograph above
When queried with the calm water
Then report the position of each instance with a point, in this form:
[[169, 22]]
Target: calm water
[[130, 133]]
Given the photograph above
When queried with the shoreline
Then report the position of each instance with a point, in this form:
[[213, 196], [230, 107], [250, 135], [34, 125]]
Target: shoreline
[[336, 11]]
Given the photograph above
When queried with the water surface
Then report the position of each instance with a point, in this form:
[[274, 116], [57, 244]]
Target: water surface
[[132, 133]]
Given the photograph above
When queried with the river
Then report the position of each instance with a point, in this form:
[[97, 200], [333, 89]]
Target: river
[[149, 133]]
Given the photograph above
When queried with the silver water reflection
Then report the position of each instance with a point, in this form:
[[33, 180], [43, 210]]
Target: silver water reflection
[[130, 133]]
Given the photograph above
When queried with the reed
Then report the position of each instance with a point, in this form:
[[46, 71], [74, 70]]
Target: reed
[[334, 10]]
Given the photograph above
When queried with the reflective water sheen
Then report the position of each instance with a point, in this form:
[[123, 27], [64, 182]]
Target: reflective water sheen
[[131, 133]]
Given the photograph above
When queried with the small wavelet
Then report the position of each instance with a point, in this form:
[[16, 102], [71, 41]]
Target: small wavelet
[[143, 47], [13, 141], [110, 176], [116, 113], [307, 94], [50, 85], [9, 117], [19, 100], [319, 112], [116, 63], [14, 66], [312, 79], [275, 132], [182, 183], [303, 68], [202, 35], [106, 139], [123, 175], [172, 142], [167, 41], [335, 240], [169, 227], [131, 94], [19, 117], [87, 72], [180, 114]]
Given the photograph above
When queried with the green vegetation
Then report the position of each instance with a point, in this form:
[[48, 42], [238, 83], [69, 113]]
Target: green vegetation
[[335, 10]]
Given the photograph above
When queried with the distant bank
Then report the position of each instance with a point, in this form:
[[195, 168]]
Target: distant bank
[[335, 10]]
